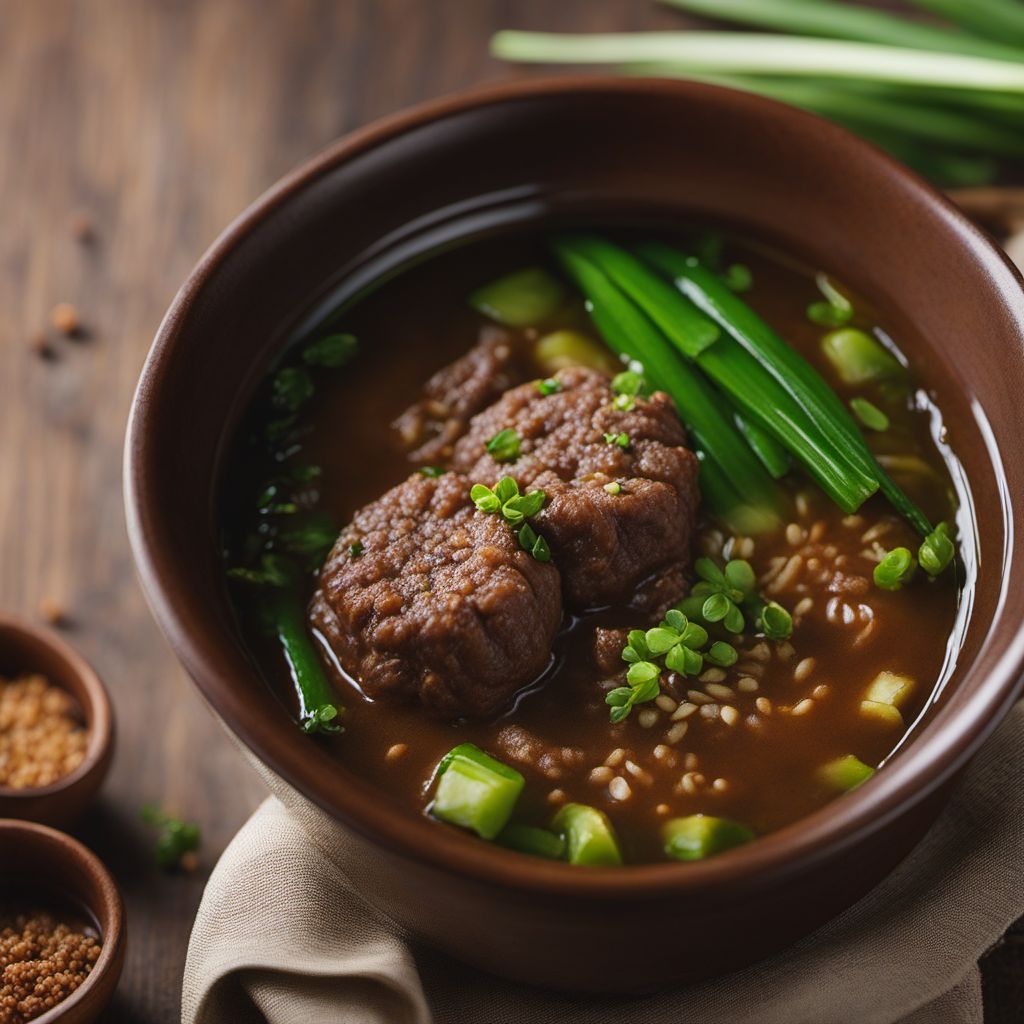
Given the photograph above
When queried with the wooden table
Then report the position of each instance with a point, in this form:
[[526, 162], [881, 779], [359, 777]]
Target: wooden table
[[157, 122]]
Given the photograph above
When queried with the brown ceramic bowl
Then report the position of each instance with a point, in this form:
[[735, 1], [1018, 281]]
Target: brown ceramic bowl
[[25, 648], [38, 860], [575, 150]]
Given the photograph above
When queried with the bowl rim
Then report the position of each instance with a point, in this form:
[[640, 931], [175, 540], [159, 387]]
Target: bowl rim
[[922, 767], [113, 937], [96, 707]]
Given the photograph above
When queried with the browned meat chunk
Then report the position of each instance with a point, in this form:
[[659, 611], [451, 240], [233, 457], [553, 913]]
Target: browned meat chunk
[[608, 644], [457, 392], [424, 598], [604, 543]]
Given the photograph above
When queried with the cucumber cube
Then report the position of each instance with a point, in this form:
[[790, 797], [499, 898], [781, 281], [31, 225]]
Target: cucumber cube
[[520, 299], [475, 791], [537, 842], [589, 836], [890, 688], [845, 773], [882, 712], [703, 835]]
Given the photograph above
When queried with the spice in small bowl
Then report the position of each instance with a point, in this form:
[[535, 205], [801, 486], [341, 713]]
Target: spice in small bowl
[[46, 954], [43, 737], [56, 727]]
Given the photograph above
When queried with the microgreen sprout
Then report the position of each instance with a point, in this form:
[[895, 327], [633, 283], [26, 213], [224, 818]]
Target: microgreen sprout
[[628, 382], [504, 446], [515, 509], [176, 840], [738, 277], [331, 351], [621, 439], [291, 388], [431, 471], [869, 414], [775, 622], [832, 311], [723, 591], [936, 551], [548, 386], [895, 570], [355, 549]]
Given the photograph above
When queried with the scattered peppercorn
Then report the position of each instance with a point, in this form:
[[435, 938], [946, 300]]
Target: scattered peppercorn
[[42, 738], [83, 227], [52, 612], [42, 962], [40, 344], [64, 318]]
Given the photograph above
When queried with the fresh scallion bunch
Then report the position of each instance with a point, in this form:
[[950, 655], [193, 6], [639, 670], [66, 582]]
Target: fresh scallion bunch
[[947, 99]]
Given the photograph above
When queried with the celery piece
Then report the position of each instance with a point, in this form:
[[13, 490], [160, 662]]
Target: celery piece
[[845, 773], [475, 791], [538, 842], [890, 688], [589, 836], [858, 358], [703, 835], [560, 349], [520, 299]]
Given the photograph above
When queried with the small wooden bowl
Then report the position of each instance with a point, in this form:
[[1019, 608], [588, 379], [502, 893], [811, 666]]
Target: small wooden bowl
[[36, 858], [26, 648]]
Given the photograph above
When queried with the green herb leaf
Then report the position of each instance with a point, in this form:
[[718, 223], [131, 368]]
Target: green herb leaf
[[322, 719], [694, 636], [642, 672], [175, 838], [332, 351], [740, 575], [734, 621], [433, 472], [660, 640], [613, 488], [624, 403], [540, 551], [527, 504], [722, 654], [869, 414], [937, 550], [504, 446], [274, 571], [621, 439], [824, 314], [550, 386], [629, 382], [355, 549], [506, 489], [484, 498], [617, 697], [619, 714], [776, 622], [715, 608], [291, 388], [709, 572], [638, 641], [895, 570], [675, 619]]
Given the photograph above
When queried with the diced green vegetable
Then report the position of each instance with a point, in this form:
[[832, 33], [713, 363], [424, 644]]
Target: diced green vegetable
[[538, 842], [936, 551], [869, 414], [703, 835], [524, 298], [890, 688], [475, 791], [589, 836], [885, 713], [895, 570], [859, 358], [331, 351], [845, 773], [559, 349]]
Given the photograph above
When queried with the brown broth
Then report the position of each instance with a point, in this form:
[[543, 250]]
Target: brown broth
[[761, 768]]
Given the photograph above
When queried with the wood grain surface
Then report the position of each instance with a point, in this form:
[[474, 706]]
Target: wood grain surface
[[156, 122]]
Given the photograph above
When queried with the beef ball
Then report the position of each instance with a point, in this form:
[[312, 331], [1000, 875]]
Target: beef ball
[[458, 391], [621, 485], [424, 598]]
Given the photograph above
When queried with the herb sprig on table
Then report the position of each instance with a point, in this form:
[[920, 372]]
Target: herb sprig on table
[[176, 841]]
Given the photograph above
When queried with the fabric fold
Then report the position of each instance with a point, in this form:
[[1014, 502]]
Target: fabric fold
[[282, 938]]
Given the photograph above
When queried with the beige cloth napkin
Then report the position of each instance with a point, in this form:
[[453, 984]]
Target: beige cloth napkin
[[282, 938]]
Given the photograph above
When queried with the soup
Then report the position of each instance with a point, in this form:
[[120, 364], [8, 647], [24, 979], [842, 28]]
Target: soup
[[570, 612]]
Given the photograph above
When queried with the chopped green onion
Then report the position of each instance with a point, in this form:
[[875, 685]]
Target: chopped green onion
[[549, 386], [703, 835], [504, 446], [936, 551], [869, 414], [613, 488], [537, 842], [738, 277], [475, 791], [524, 298], [845, 773], [895, 570], [628, 382], [859, 358], [291, 388], [589, 836], [621, 439]]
